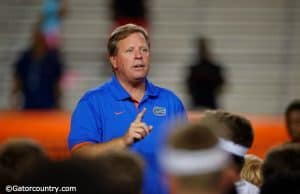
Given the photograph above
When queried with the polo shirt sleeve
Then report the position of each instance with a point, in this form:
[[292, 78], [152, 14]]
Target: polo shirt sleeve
[[179, 110], [85, 124]]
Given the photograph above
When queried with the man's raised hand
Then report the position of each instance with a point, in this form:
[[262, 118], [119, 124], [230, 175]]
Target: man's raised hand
[[137, 129]]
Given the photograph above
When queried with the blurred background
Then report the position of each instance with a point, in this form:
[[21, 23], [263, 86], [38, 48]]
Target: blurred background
[[257, 42]]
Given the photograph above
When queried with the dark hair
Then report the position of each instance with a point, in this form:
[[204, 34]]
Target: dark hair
[[78, 174], [18, 156], [121, 172], [121, 33], [282, 159], [232, 127], [282, 183], [294, 105], [238, 129]]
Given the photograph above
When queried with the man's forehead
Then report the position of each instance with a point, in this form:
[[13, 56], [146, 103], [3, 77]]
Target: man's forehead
[[130, 41], [138, 34]]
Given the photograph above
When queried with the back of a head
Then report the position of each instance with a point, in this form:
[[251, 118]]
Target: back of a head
[[77, 175], [237, 128], [235, 131], [282, 159], [281, 184], [251, 170], [20, 155], [193, 137], [121, 172], [192, 156]]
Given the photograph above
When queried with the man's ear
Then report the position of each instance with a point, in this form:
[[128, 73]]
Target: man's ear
[[113, 62]]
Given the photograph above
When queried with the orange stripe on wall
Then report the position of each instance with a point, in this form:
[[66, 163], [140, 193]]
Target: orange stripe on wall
[[51, 128]]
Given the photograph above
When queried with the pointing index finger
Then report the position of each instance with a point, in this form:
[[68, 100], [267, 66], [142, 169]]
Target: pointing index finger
[[140, 115]]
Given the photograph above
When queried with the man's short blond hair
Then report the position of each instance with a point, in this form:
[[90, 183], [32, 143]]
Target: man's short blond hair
[[123, 32]]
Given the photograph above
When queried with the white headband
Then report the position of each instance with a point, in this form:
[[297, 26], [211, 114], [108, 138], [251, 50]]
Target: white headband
[[232, 147], [188, 162]]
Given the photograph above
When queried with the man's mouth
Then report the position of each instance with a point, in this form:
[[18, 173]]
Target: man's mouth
[[138, 66]]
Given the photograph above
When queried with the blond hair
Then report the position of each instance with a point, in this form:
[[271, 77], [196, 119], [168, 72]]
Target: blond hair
[[251, 170], [123, 32]]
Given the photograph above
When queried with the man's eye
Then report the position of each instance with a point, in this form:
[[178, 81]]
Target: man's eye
[[145, 50], [129, 50]]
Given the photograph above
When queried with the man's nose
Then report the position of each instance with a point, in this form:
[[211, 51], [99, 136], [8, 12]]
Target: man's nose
[[138, 54]]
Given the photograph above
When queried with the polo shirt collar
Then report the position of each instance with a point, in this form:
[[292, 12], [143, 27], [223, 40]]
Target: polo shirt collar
[[121, 94], [151, 89]]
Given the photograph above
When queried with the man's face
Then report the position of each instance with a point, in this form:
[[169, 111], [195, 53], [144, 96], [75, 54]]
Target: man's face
[[131, 62], [294, 124]]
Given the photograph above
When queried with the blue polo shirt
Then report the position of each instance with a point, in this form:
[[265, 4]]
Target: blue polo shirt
[[107, 111]]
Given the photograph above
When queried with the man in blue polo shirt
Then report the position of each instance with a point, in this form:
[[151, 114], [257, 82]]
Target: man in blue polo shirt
[[128, 110]]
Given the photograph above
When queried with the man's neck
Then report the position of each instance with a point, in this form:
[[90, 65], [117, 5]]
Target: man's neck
[[135, 89]]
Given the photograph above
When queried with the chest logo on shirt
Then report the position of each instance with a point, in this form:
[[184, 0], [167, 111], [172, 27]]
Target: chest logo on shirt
[[119, 113], [159, 111]]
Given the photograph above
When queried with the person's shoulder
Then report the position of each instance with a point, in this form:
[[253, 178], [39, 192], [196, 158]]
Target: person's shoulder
[[195, 65], [165, 92], [24, 57], [99, 91], [25, 54], [217, 65]]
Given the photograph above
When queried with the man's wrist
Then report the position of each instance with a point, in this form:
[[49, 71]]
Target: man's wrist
[[124, 142]]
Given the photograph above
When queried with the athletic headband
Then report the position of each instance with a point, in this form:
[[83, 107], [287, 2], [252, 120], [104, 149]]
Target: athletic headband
[[232, 147], [188, 162]]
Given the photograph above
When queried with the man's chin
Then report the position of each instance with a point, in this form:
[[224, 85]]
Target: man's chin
[[140, 77]]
